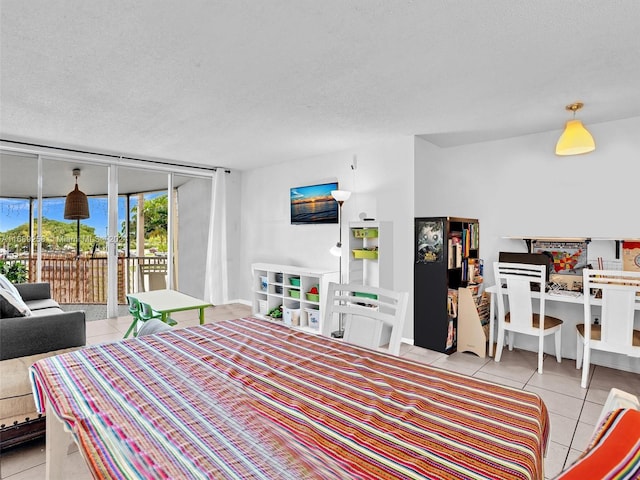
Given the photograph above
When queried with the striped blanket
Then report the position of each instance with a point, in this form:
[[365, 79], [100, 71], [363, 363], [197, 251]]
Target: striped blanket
[[249, 398]]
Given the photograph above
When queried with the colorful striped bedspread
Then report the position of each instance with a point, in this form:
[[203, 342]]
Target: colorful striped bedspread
[[249, 398]]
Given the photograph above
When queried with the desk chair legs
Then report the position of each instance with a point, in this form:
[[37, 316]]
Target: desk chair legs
[[511, 340], [583, 360]]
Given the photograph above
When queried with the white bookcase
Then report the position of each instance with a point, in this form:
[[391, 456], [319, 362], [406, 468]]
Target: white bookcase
[[286, 285], [371, 254]]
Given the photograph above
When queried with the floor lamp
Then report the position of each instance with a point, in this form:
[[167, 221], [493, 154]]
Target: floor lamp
[[340, 196]]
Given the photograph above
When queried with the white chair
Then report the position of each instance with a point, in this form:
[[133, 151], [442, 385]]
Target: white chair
[[615, 333], [519, 278], [373, 317]]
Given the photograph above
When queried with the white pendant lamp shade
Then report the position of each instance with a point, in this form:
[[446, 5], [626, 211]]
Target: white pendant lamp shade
[[575, 139]]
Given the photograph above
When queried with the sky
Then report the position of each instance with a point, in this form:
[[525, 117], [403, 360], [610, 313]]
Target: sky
[[313, 191], [14, 212]]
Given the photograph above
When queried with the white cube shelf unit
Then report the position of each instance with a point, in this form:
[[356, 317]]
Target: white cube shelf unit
[[371, 253], [275, 285]]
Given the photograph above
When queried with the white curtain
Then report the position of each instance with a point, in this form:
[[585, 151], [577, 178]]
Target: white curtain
[[216, 280]]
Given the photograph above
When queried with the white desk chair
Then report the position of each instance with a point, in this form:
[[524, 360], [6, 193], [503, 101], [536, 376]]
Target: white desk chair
[[519, 278], [368, 322], [615, 333]]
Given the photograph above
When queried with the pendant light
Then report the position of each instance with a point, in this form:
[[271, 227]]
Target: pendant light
[[76, 207], [575, 139]]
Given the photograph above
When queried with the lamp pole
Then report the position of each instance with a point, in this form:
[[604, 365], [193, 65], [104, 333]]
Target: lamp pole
[[341, 196]]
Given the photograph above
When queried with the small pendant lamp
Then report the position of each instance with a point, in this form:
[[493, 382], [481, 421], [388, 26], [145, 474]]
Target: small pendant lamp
[[575, 139], [76, 206]]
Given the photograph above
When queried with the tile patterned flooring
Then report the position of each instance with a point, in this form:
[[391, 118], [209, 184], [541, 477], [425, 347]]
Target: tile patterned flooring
[[573, 410]]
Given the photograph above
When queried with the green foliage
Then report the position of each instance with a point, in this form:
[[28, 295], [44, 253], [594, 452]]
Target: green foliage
[[15, 272], [156, 217], [56, 236]]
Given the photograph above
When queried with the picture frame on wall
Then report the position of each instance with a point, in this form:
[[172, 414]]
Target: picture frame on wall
[[313, 204]]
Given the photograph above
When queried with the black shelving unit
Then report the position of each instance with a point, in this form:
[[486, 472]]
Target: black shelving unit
[[440, 266]]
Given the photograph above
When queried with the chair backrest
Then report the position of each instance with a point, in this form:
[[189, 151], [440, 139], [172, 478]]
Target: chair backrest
[[146, 312], [620, 292], [373, 317], [519, 279], [134, 305]]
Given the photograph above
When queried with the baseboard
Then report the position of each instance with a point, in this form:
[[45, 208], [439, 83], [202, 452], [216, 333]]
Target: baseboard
[[241, 301]]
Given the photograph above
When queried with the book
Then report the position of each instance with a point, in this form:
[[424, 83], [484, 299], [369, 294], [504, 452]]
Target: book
[[631, 256]]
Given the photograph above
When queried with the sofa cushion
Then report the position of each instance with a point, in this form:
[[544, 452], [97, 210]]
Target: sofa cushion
[[11, 294], [9, 307], [40, 304], [46, 311], [614, 451], [6, 284]]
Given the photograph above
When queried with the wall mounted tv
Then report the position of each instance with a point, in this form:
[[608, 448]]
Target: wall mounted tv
[[314, 204]]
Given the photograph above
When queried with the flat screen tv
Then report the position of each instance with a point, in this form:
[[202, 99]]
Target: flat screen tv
[[314, 204]]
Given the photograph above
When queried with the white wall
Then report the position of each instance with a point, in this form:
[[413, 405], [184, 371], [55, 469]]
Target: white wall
[[193, 229], [382, 186], [234, 228], [518, 186]]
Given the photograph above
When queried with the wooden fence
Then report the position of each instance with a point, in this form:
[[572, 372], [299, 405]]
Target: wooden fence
[[84, 280]]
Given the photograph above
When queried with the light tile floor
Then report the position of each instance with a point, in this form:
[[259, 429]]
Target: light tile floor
[[573, 411]]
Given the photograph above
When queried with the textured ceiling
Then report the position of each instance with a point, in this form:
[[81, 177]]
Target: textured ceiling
[[243, 83]]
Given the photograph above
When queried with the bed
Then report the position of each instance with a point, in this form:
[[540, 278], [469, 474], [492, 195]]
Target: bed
[[250, 398]]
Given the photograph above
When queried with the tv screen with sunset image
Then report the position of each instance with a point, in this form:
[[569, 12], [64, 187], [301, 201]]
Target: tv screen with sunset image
[[314, 204]]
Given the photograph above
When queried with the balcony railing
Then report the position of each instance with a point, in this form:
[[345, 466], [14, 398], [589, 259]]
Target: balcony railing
[[84, 280]]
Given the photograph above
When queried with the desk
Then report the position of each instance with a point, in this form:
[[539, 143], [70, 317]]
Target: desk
[[168, 301], [548, 297], [249, 398]]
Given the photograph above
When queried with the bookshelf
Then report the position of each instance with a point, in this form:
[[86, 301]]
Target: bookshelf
[[371, 254], [473, 321], [290, 287], [446, 258]]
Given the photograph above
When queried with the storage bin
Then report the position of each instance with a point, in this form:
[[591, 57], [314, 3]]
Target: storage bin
[[295, 281], [263, 307], [366, 295], [291, 316], [313, 297], [294, 293], [278, 288], [368, 254], [365, 232], [278, 277], [314, 318]]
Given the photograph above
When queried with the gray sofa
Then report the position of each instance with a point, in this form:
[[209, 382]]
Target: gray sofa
[[24, 340]]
